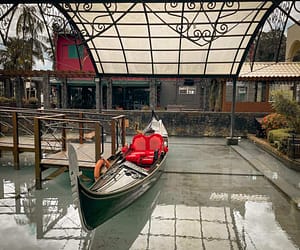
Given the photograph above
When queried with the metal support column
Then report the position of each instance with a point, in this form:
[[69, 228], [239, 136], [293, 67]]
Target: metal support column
[[46, 92], [64, 93], [233, 140], [109, 94], [153, 93], [19, 91], [98, 94]]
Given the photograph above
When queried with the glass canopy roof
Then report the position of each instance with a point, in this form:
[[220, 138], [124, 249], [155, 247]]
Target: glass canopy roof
[[206, 38], [161, 38]]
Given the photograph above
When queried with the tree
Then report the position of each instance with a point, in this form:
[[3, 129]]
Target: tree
[[26, 48], [269, 46], [30, 29], [13, 57]]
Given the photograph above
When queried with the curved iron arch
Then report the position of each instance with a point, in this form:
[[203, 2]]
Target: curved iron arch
[[185, 28]]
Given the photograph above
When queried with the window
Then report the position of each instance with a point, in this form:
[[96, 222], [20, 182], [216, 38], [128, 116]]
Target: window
[[75, 51], [241, 95], [247, 91], [187, 90]]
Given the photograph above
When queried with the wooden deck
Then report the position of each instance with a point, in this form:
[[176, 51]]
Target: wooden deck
[[85, 154], [25, 144]]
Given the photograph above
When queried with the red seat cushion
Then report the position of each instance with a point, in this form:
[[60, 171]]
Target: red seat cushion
[[143, 148], [135, 156], [147, 160], [156, 142], [139, 142]]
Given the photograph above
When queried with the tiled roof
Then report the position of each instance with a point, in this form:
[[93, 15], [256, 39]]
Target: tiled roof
[[271, 70]]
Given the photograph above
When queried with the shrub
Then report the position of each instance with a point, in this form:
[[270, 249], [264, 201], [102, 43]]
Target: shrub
[[279, 139], [274, 121], [278, 135], [7, 101], [3, 99], [33, 100], [288, 108]]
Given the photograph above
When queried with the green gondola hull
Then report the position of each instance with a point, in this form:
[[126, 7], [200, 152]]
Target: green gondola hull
[[96, 209], [124, 182]]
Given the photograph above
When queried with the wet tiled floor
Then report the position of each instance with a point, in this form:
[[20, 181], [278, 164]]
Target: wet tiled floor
[[210, 197]]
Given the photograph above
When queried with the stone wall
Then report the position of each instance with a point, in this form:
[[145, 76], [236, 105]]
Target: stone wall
[[195, 123]]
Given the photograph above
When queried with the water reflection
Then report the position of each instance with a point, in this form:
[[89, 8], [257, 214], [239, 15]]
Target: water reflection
[[259, 229], [197, 219], [37, 219], [179, 212]]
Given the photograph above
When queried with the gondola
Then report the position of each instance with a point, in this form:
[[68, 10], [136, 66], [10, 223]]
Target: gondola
[[133, 171]]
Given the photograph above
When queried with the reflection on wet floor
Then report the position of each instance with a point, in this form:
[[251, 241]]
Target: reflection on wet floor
[[38, 219], [187, 227], [202, 218], [182, 211]]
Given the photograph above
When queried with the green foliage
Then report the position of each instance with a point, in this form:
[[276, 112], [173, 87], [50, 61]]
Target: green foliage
[[278, 135], [33, 100], [29, 45], [288, 108], [30, 100], [3, 100], [16, 56], [7, 101], [268, 46], [273, 121], [288, 94]]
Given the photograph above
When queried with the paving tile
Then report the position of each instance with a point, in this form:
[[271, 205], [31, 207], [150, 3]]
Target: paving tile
[[188, 228], [187, 212], [214, 230], [162, 227], [217, 245], [161, 242], [213, 214], [164, 212], [183, 243]]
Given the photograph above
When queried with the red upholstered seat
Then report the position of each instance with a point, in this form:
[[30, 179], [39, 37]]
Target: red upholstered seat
[[143, 148], [139, 143], [156, 142]]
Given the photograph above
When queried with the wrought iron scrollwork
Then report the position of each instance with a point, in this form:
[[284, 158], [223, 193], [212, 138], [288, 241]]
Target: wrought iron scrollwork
[[55, 20], [277, 19], [276, 25], [193, 15], [6, 13], [95, 26]]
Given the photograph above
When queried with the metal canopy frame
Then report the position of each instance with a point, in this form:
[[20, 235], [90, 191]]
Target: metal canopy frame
[[168, 39], [157, 39]]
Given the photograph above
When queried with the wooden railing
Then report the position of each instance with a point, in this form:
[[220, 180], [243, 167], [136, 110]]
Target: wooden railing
[[47, 134], [65, 133]]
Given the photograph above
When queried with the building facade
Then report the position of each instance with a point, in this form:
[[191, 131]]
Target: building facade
[[253, 94]]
